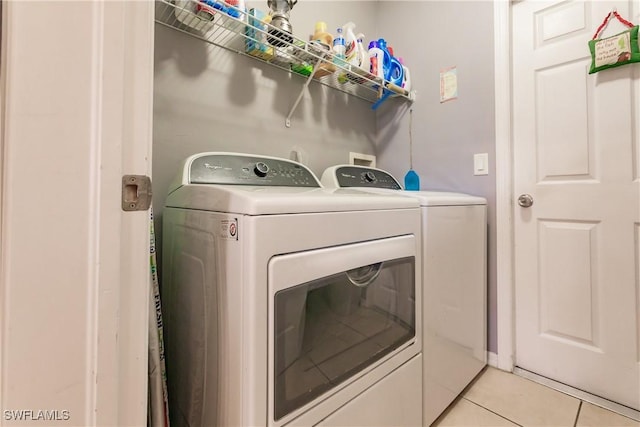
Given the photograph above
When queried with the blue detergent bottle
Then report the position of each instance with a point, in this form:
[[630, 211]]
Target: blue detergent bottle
[[386, 58], [396, 72]]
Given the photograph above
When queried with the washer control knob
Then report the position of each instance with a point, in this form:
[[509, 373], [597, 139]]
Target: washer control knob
[[369, 176], [261, 169]]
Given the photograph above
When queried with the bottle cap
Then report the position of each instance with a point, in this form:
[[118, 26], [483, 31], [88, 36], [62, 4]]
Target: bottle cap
[[390, 49], [373, 44]]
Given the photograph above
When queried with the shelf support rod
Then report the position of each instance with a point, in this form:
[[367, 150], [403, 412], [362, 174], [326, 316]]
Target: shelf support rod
[[287, 121]]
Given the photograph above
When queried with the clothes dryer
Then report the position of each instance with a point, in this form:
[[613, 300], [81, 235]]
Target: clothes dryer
[[454, 246], [286, 303]]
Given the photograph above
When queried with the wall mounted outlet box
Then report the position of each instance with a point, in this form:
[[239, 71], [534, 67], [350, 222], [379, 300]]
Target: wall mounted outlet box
[[360, 159], [481, 164]]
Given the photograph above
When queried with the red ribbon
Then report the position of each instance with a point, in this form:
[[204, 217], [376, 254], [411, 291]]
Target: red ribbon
[[606, 21]]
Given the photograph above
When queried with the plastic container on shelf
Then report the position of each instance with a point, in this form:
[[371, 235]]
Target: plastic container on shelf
[[396, 72], [350, 43], [362, 54], [321, 43], [357, 62], [321, 35], [376, 58], [406, 76], [256, 35], [339, 48], [204, 11], [234, 10], [192, 14], [386, 58]]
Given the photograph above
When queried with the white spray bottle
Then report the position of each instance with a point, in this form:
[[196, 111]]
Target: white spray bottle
[[363, 54], [351, 43]]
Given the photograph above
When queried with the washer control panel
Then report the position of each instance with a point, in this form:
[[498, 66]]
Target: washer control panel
[[241, 169], [358, 176]]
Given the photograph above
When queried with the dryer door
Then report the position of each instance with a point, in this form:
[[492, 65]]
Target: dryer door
[[334, 314]]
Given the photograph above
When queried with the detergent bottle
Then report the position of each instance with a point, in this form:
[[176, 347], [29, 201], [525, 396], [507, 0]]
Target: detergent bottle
[[234, 10], [351, 44], [386, 58], [376, 57], [321, 35], [358, 61], [324, 41], [396, 72]]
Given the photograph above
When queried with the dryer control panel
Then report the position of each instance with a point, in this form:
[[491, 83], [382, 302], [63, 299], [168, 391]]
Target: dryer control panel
[[243, 169], [358, 176]]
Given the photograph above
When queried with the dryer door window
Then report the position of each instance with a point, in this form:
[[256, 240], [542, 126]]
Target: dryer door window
[[328, 329]]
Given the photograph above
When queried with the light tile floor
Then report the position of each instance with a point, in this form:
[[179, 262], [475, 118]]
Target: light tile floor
[[498, 398]]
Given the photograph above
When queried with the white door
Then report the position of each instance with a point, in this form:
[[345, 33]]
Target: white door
[[576, 152], [77, 81]]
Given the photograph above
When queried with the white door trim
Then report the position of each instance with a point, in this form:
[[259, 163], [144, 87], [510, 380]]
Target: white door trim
[[504, 185], [76, 114]]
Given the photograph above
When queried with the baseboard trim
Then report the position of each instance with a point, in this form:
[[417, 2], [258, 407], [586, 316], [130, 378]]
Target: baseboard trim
[[492, 359], [579, 394]]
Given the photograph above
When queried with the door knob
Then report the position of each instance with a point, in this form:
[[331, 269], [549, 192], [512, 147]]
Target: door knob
[[525, 200]]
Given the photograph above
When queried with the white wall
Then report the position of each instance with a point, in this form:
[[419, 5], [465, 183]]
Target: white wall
[[430, 36]]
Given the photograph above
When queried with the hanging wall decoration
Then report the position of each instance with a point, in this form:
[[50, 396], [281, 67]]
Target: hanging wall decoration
[[614, 51]]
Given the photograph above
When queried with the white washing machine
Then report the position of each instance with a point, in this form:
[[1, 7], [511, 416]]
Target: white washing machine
[[286, 303], [454, 267]]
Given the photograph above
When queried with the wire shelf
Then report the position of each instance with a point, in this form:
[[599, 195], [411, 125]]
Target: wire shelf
[[246, 33]]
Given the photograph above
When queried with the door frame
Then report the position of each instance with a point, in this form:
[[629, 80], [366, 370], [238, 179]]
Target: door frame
[[505, 284], [115, 277]]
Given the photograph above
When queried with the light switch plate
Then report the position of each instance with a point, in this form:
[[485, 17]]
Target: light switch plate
[[481, 164]]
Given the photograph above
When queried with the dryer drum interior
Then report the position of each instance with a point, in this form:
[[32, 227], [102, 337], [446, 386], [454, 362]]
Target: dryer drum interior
[[327, 330]]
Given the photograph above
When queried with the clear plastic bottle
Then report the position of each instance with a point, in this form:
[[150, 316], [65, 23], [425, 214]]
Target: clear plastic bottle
[[339, 47]]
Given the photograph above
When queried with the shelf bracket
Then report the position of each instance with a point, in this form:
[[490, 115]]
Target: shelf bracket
[[287, 121], [383, 98]]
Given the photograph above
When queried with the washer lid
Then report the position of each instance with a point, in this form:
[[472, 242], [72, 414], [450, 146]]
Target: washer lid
[[262, 200], [378, 181], [441, 198]]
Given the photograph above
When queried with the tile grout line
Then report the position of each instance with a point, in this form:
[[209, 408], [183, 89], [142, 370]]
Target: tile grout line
[[575, 423], [495, 413]]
